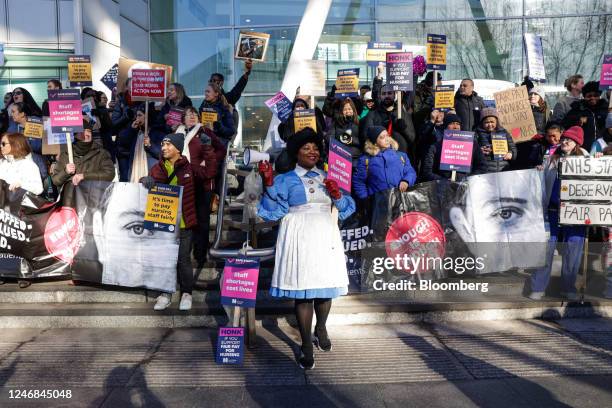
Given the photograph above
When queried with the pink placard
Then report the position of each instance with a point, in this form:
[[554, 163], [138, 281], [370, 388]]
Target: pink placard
[[457, 151], [148, 84], [340, 165], [605, 81], [239, 285]]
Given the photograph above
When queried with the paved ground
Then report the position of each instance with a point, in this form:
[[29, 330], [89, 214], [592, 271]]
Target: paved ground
[[461, 364]]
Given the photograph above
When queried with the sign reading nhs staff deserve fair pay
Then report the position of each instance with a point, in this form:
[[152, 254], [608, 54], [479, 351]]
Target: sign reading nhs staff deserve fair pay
[[586, 191], [436, 52], [239, 285], [230, 345], [457, 148], [163, 204], [148, 84]]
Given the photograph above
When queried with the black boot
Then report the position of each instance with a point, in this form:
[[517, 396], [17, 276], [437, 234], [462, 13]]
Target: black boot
[[321, 339], [306, 360]]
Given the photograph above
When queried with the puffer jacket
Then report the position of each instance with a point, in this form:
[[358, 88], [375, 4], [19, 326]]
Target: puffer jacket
[[381, 170], [468, 108], [184, 174], [225, 126], [430, 166], [338, 129], [484, 139], [595, 126]]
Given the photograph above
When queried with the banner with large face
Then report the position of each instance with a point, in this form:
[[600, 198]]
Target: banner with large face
[[95, 232]]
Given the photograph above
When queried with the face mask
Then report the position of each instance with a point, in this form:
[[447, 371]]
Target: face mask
[[348, 118]]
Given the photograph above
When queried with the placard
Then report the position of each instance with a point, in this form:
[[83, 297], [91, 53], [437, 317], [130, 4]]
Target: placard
[[514, 112], [457, 148], [535, 57], [126, 66], [280, 105], [51, 141], [208, 117], [230, 345], [87, 106], [347, 83], [499, 145], [110, 78], [175, 116], [79, 70], [340, 165], [399, 71], [436, 52], [34, 128], [252, 45], [444, 97], [304, 118], [163, 208], [312, 77], [586, 191], [605, 80], [148, 84], [65, 110], [239, 284], [377, 52]]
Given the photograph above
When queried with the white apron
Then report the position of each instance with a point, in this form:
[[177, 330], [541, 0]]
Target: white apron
[[309, 248]]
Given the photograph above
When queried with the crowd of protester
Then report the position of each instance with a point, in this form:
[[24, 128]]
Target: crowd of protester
[[391, 147]]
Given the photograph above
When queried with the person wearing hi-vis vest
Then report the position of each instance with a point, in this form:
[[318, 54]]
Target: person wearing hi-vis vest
[[174, 169], [310, 266]]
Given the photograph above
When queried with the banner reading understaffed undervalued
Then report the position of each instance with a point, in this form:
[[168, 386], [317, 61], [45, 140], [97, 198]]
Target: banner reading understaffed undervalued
[[94, 232]]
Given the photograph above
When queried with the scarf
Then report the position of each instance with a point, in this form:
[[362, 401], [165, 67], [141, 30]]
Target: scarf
[[188, 136]]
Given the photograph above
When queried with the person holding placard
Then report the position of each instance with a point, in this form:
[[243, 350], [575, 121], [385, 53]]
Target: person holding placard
[[571, 236], [233, 96], [51, 84], [430, 166], [91, 161], [468, 105], [589, 113], [177, 99], [574, 85], [310, 266], [345, 127], [544, 146], [20, 119], [539, 109], [424, 99], [496, 144], [174, 169], [223, 126]]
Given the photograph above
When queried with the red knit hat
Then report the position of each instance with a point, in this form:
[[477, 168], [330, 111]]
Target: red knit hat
[[575, 133]]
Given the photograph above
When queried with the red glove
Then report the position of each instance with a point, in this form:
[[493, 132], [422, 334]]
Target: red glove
[[333, 189], [265, 170]]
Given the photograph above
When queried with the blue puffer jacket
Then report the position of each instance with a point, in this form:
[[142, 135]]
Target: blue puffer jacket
[[381, 170], [225, 127]]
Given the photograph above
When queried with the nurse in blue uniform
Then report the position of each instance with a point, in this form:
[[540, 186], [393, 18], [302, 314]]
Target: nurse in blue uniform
[[310, 264]]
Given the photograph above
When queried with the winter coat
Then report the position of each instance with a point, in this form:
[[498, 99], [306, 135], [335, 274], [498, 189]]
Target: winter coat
[[225, 126], [160, 122], [338, 129], [595, 126], [430, 165], [562, 107], [402, 130], [551, 180], [468, 109], [184, 173], [23, 171], [36, 146], [540, 118], [90, 159], [381, 170], [235, 93], [484, 139]]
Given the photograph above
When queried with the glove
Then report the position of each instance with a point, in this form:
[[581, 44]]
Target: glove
[[400, 124], [333, 189], [265, 170], [148, 182]]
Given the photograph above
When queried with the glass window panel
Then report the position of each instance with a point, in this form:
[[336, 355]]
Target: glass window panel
[[194, 55], [255, 118], [31, 27], [446, 9], [483, 49], [169, 14], [268, 11], [66, 21], [350, 10], [344, 46], [268, 76], [556, 7]]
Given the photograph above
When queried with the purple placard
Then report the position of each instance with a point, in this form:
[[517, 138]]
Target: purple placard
[[280, 105], [65, 110], [340, 165], [239, 285], [605, 80], [230, 345], [457, 151]]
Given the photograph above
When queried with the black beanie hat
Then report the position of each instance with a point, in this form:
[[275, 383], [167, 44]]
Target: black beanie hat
[[177, 139], [450, 118], [592, 86], [373, 132], [306, 135]]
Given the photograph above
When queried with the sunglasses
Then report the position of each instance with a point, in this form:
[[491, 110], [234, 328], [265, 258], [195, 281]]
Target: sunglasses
[[5, 144]]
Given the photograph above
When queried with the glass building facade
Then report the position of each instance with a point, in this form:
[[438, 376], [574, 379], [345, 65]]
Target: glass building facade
[[485, 40]]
